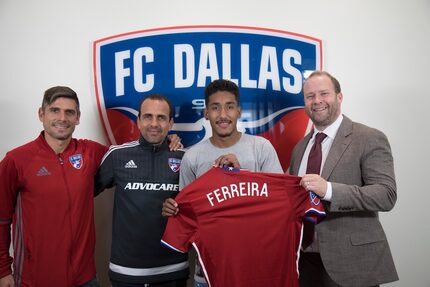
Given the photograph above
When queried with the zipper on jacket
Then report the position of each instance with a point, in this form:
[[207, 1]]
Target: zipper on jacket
[[66, 186], [60, 159], [154, 151]]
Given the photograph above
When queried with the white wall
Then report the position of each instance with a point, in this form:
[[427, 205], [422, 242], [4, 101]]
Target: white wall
[[379, 50]]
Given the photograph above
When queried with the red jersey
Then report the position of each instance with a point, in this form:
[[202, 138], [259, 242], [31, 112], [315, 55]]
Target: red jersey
[[245, 226], [48, 198]]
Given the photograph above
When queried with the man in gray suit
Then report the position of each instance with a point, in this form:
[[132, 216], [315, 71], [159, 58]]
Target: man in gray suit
[[349, 247]]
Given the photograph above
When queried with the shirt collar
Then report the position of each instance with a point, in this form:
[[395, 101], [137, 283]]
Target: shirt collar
[[144, 143], [332, 129]]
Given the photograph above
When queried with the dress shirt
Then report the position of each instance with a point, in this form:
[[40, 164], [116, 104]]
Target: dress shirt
[[331, 132]]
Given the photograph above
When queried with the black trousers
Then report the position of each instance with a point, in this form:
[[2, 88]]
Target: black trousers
[[92, 283], [313, 273], [174, 283]]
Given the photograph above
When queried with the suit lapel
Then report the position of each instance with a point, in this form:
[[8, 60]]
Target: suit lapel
[[300, 151], [341, 142]]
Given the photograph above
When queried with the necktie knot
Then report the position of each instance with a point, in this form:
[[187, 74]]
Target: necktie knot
[[320, 137]]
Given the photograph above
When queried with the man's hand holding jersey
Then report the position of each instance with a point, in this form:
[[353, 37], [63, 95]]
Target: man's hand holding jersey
[[227, 160], [170, 206]]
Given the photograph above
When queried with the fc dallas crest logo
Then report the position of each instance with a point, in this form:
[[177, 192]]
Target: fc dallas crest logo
[[174, 164], [76, 161], [268, 65]]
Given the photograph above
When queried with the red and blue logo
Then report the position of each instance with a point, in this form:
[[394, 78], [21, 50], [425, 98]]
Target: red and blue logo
[[268, 65], [76, 161], [174, 164], [314, 198]]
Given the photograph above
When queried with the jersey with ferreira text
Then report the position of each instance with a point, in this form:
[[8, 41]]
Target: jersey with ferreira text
[[245, 226]]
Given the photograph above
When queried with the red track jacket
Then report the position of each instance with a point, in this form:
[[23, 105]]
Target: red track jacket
[[48, 198]]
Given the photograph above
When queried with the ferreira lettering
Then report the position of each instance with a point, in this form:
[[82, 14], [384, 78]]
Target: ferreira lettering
[[237, 190]]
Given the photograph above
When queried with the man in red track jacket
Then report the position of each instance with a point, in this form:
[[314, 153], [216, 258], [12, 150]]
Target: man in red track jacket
[[46, 194]]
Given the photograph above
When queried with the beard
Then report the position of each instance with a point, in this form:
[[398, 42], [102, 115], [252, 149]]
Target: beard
[[326, 119]]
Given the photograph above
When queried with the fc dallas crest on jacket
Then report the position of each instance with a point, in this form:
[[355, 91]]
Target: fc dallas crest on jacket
[[174, 164]]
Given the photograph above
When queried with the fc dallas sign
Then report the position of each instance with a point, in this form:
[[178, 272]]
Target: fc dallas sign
[[268, 65]]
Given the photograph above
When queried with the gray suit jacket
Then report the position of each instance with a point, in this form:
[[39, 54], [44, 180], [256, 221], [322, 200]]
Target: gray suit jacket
[[353, 245]]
